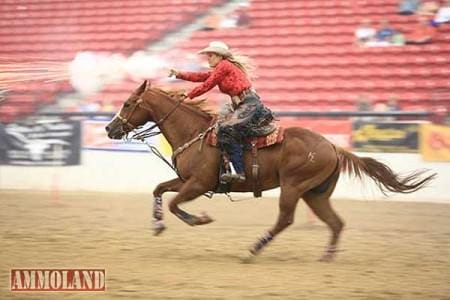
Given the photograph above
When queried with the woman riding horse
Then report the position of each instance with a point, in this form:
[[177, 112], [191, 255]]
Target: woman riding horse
[[232, 74], [305, 165]]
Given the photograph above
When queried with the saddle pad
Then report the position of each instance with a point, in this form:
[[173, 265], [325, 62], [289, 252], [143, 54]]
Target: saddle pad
[[273, 138]]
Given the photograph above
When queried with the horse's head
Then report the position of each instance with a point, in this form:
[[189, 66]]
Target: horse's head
[[130, 116]]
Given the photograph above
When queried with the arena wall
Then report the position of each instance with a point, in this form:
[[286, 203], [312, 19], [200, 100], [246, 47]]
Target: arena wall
[[140, 172]]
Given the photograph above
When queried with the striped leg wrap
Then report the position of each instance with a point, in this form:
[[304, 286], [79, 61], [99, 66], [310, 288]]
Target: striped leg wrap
[[261, 243], [157, 209]]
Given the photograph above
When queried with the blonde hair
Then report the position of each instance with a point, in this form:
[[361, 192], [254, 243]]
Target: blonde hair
[[244, 63]]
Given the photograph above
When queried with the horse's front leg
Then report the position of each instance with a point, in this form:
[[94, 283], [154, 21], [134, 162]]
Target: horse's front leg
[[167, 186], [189, 191]]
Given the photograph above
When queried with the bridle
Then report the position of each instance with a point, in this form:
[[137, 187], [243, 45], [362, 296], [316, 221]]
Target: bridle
[[142, 135], [147, 132], [125, 121]]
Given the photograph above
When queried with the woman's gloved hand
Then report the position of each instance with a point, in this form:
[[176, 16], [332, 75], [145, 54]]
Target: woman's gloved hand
[[173, 72]]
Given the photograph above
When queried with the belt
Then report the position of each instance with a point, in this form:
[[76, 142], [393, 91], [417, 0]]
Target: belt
[[239, 98]]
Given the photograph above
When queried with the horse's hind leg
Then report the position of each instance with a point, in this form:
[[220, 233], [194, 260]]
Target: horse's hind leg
[[167, 186], [320, 205], [290, 194]]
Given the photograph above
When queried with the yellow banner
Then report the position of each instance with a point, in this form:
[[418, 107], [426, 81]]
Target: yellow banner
[[435, 142]]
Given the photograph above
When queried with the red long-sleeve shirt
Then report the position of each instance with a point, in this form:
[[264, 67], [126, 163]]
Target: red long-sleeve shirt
[[230, 79]]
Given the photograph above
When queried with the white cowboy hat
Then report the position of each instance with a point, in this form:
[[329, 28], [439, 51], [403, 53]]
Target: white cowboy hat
[[216, 47]]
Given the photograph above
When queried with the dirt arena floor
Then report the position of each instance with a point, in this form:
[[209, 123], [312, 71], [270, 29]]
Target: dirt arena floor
[[391, 250]]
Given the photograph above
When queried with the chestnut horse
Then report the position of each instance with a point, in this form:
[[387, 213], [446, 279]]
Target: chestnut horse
[[305, 165]]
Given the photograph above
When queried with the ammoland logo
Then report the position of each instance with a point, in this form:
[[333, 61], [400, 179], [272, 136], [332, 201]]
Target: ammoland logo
[[58, 280]]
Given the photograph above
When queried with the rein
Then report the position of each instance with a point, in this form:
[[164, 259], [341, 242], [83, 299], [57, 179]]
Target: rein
[[148, 132], [141, 136], [201, 136]]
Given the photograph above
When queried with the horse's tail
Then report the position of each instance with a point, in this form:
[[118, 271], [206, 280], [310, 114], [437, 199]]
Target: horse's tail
[[381, 174]]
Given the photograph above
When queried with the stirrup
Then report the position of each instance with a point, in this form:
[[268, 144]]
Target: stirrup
[[229, 177]]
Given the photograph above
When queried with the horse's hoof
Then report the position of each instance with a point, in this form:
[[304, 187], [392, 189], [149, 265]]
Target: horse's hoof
[[248, 258], [203, 219], [328, 257], [158, 228], [158, 231], [330, 254]]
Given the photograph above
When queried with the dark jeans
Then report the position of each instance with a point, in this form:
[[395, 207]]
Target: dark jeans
[[242, 124]]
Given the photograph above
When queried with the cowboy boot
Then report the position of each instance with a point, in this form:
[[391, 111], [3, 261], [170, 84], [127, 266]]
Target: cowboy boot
[[236, 157]]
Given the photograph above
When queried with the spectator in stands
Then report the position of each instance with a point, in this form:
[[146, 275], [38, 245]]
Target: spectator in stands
[[385, 33], [428, 9], [238, 18], [364, 104], [365, 33], [233, 74], [422, 33], [443, 14], [212, 21], [408, 7], [243, 19], [392, 104], [229, 21], [398, 39], [381, 108]]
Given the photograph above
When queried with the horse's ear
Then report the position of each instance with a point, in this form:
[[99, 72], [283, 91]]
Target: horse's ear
[[142, 88]]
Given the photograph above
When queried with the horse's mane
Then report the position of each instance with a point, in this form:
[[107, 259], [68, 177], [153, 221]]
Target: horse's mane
[[197, 105]]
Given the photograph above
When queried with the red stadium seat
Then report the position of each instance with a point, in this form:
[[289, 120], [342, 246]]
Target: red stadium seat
[[304, 50], [59, 29]]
